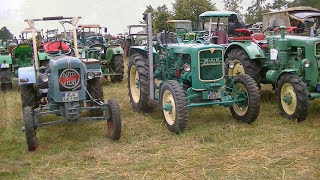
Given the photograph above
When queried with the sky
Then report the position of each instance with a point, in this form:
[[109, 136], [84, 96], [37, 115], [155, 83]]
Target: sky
[[116, 15]]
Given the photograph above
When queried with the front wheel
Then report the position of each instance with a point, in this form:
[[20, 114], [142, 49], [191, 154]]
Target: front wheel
[[292, 97], [114, 122], [29, 128], [248, 110], [174, 106]]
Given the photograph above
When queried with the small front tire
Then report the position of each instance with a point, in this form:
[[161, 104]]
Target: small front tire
[[174, 106], [248, 111], [114, 122], [29, 128]]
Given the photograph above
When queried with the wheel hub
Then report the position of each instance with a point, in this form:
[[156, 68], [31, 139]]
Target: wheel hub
[[168, 107], [237, 69], [287, 99]]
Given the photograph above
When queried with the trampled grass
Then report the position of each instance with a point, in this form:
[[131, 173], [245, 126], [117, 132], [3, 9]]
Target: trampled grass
[[214, 145]]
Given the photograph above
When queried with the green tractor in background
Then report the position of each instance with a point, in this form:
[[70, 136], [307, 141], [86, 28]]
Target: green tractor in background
[[183, 28], [6, 65], [136, 37], [94, 45], [178, 76], [288, 62]]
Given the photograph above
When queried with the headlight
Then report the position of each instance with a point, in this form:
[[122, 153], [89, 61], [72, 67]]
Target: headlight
[[231, 65], [306, 64], [44, 77], [90, 75], [186, 67]]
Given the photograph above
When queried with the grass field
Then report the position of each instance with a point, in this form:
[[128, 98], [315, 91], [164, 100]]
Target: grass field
[[214, 145]]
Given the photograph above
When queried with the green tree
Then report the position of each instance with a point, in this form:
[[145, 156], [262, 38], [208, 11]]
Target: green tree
[[279, 4], [255, 12], [191, 9], [233, 5], [311, 3], [160, 15], [5, 34]]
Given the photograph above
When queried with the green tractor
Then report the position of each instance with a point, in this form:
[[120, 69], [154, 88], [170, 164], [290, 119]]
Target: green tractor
[[179, 76], [288, 62], [66, 86], [5, 66], [136, 37], [183, 28], [95, 46]]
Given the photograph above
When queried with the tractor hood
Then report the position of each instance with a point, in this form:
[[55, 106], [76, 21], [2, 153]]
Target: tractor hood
[[193, 47]]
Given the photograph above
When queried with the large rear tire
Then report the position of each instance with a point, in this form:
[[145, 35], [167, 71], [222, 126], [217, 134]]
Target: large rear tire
[[248, 111], [114, 122], [242, 65], [29, 128], [139, 83], [292, 97], [174, 106], [94, 87], [117, 68]]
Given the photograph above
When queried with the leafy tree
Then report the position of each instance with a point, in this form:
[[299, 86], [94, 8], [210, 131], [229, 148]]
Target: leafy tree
[[279, 4], [5, 34], [191, 9], [233, 5], [255, 12], [160, 15], [311, 3]]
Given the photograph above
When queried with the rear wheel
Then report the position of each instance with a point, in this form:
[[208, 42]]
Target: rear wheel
[[174, 106], [28, 95], [117, 68], [248, 110], [114, 122], [242, 65], [5, 79], [139, 83], [94, 87], [29, 128], [292, 97]]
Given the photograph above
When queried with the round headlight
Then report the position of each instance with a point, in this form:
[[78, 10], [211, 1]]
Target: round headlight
[[186, 67], [44, 77], [231, 65], [90, 75], [306, 64]]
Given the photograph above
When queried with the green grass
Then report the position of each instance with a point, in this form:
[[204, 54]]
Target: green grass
[[214, 145]]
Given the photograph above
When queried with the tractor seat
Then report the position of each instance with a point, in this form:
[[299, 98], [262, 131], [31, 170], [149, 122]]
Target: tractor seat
[[241, 35], [54, 47], [167, 38], [258, 38]]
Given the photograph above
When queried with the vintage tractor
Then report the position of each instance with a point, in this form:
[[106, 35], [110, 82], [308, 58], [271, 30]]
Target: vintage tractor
[[110, 55], [5, 67], [183, 28], [136, 37], [180, 76], [66, 86], [288, 62]]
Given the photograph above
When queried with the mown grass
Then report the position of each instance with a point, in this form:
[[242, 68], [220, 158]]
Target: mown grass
[[214, 145]]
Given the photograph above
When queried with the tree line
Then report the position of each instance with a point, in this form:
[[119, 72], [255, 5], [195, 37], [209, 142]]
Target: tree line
[[191, 9]]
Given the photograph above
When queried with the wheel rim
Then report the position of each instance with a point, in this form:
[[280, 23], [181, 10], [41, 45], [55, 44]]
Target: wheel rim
[[237, 69], [288, 98], [134, 84], [169, 107], [241, 110]]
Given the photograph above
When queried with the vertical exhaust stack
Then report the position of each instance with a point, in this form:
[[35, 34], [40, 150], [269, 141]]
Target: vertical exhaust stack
[[150, 53]]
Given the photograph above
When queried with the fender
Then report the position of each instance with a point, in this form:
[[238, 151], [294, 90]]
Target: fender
[[252, 49], [273, 76], [141, 50], [112, 51], [28, 74]]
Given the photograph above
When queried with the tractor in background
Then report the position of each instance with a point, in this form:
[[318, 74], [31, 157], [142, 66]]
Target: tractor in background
[[65, 86], [95, 46], [6, 65], [177, 76], [290, 63], [136, 37]]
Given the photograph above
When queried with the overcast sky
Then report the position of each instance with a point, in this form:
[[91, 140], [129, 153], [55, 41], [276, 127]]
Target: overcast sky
[[114, 14]]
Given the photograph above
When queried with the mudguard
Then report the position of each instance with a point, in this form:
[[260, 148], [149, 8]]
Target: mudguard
[[27, 73], [5, 59], [112, 51], [252, 49], [141, 50]]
